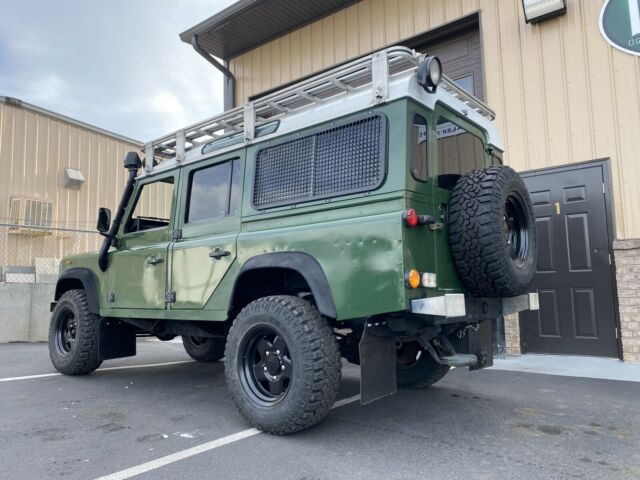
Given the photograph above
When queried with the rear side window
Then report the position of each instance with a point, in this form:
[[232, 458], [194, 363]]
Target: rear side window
[[347, 158], [213, 192], [419, 137], [459, 151]]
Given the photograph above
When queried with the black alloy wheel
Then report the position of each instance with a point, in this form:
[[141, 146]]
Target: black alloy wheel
[[516, 228], [65, 332], [265, 368]]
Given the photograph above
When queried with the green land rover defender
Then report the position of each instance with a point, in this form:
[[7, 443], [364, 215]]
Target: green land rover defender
[[363, 213]]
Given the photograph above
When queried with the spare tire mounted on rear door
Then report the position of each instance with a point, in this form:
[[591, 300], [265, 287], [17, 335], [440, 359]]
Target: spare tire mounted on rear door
[[492, 232]]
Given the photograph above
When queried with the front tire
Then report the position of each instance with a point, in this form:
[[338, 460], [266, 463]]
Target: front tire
[[204, 349], [417, 369], [282, 364], [74, 335]]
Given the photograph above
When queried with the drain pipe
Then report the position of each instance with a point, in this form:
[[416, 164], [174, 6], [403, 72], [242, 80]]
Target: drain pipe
[[229, 79]]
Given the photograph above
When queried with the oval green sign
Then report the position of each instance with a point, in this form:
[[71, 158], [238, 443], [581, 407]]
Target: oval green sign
[[620, 24]]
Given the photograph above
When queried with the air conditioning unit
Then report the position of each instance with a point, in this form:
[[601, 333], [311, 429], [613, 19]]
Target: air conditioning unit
[[31, 214]]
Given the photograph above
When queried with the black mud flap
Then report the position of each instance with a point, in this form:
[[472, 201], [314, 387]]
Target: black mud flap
[[117, 339], [377, 366]]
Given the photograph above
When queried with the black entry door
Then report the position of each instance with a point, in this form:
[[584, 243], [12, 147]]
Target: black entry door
[[574, 278]]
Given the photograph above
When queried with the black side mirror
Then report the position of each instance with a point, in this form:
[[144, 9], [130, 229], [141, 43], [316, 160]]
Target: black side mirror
[[104, 220]]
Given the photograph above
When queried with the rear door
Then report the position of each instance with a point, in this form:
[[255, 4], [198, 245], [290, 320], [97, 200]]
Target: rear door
[[209, 220], [458, 149]]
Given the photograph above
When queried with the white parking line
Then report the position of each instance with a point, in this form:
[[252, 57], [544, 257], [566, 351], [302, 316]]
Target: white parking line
[[205, 447], [123, 367]]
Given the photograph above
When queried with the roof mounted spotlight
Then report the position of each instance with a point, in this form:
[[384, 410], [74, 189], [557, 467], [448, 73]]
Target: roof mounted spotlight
[[430, 74]]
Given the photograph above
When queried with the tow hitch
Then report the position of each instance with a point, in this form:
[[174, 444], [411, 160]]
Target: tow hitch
[[452, 358]]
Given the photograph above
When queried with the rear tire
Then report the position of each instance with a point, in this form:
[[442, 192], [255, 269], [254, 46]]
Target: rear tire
[[416, 369], [282, 364], [74, 335], [204, 349], [492, 232]]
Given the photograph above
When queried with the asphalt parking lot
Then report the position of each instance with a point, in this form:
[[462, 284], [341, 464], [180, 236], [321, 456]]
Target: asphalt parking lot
[[174, 420]]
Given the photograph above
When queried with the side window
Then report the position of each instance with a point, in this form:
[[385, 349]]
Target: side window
[[459, 151], [213, 192], [419, 137], [153, 207], [346, 158]]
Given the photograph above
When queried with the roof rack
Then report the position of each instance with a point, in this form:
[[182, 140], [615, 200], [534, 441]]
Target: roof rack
[[372, 71]]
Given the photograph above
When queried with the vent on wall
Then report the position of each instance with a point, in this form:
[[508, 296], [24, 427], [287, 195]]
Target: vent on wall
[[31, 212]]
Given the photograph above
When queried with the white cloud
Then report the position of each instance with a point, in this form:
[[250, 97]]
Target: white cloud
[[118, 65]]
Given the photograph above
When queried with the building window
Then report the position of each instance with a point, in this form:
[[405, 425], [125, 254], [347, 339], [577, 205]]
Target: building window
[[419, 142], [466, 83]]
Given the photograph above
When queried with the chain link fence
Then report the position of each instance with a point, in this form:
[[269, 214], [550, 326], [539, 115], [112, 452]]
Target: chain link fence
[[30, 253]]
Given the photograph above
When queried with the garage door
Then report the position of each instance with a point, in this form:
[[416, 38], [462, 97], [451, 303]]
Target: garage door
[[574, 278], [461, 58]]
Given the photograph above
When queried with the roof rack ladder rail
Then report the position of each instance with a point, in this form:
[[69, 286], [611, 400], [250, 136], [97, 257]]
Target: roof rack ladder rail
[[467, 98]]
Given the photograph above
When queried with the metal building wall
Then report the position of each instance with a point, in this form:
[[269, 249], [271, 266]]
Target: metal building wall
[[561, 93], [35, 148], [34, 151]]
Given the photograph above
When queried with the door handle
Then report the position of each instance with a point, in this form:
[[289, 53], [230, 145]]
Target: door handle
[[153, 260], [218, 253]]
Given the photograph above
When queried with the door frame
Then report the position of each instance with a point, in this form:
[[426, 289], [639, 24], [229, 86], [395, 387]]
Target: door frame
[[605, 164]]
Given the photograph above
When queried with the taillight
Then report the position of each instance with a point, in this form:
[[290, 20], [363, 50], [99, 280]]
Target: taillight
[[410, 217]]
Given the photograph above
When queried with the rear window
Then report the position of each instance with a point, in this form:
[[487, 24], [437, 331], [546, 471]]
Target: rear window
[[459, 151], [419, 137], [347, 158]]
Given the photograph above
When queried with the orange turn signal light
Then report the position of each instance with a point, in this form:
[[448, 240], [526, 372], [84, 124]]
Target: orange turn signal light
[[412, 278]]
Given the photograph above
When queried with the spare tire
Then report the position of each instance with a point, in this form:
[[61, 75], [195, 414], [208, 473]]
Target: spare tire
[[492, 232]]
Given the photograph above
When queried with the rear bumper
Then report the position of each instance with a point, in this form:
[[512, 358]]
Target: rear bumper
[[455, 307]]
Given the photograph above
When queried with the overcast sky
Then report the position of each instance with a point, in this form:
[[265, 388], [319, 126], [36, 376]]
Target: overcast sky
[[116, 64]]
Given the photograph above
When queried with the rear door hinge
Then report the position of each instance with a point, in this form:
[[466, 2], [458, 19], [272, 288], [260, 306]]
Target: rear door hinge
[[111, 297], [170, 297], [176, 234]]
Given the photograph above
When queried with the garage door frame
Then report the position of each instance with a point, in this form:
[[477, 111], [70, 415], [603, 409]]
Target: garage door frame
[[605, 164]]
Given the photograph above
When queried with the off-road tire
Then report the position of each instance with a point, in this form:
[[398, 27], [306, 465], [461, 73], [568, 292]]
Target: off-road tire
[[204, 349], [83, 355], [421, 374], [478, 232], [315, 364]]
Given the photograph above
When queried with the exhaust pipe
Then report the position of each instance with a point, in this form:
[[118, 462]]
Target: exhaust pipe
[[132, 163]]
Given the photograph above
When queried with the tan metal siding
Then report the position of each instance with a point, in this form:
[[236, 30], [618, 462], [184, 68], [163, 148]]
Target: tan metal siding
[[34, 151], [562, 94]]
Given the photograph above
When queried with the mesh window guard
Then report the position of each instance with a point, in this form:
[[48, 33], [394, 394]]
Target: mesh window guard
[[347, 158]]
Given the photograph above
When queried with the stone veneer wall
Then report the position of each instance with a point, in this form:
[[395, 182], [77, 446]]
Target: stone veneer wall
[[512, 334], [627, 260]]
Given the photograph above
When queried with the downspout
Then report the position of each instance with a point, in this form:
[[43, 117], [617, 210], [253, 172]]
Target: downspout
[[229, 79]]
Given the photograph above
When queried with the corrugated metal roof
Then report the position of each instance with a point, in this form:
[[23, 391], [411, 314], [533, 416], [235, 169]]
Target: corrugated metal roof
[[249, 23]]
